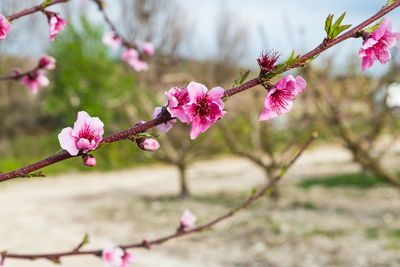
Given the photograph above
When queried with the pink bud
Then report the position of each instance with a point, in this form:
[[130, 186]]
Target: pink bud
[[147, 144], [127, 259], [89, 160], [112, 256], [188, 219]]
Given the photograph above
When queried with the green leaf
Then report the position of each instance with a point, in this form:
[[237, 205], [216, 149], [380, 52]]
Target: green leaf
[[340, 29], [389, 2], [338, 21], [373, 28], [55, 260], [149, 135], [241, 77], [328, 24], [85, 240], [46, 3]]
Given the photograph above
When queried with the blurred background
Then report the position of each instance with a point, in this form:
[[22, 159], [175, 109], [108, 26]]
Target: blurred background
[[339, 204]]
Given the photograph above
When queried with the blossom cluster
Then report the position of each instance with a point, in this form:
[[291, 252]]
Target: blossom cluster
[[194, 104], [37, 78], [115, 256], [134, 57]]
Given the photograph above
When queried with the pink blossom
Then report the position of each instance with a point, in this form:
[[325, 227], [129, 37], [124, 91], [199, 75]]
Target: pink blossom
[[47, 62], [89, 160], [86, 134], [34, 80], [377, 45], [56, 24], [146, 47], [112, 39], [112, 256], [205, 107], [166, 126], [5, 27], [176, 100], [127, 259], [188, 219], [131, 56], [147, 144], [279, 99]]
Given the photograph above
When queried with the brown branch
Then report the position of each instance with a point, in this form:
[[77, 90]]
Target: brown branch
[[34, 9], [20, 75], [182, 232], [166, 117]]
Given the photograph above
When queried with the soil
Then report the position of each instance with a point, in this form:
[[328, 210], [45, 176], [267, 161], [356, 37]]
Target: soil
[[314, 227]]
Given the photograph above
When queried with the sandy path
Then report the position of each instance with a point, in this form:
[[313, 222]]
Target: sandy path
[[53, 213]]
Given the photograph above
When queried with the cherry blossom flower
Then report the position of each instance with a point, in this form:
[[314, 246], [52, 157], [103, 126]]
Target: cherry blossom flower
[[131, 56], [112, 256], [166, 126], [378, 44], [112, 39], [188, 219], [127, 259], [47, 62], [147, 144], [205, 107], [34, 80], [176, 100], [89, 160], [56, 24], [5, 27], [279, 99], [86, 134]]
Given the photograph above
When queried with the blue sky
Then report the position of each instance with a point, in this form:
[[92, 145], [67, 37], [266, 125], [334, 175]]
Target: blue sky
[[288, 24]]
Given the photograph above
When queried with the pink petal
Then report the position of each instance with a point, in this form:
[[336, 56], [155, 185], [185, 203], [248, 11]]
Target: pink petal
[[80, 122], [198, 126], [370, 42], [367, 62], [267, 114], [196, 90], [216, 93], [300, 85], [384, 56], [386, 26], [67, 142]]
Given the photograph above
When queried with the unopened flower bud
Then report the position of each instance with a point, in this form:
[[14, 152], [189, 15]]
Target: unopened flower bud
[[89, 160], [147, 144]]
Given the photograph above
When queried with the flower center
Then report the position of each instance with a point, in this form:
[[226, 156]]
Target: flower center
[[182, 97], [87, 133], [202, 108], [281, 99]]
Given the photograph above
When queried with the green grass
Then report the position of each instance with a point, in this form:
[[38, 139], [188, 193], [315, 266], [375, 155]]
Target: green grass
[[359, 180]]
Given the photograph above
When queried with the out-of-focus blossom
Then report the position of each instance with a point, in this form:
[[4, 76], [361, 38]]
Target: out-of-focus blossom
[[112, 39], [378, 44], [112, 256], [204, 108], [145, 47], [393, 95], [47, 62], [131, 56], [5, 27], [127, 260], [279, 99], [176, 100], [34, 80], [86, 134], [166, 126], [188, 219], [56, 24]]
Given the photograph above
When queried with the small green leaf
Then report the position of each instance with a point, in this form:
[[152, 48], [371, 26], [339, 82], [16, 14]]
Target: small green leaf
[[338, 21], [373, 28], [149, 135], [55, 260], [46, 3], [389, 2], [340, 29], [328, 24], [86, 239], [241, 77]]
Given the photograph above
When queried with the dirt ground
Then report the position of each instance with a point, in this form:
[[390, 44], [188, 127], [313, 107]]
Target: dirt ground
[[315, 227]]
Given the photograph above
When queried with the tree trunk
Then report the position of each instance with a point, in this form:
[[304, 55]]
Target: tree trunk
[[269, 175], [184, 191]]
